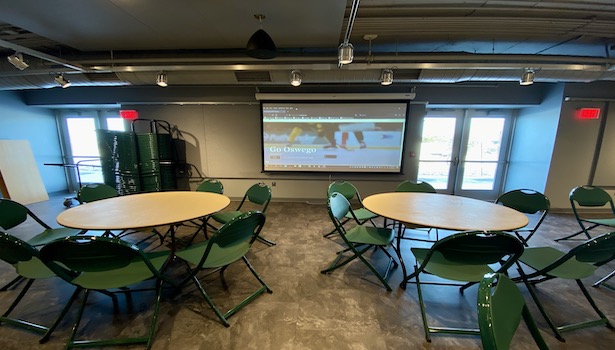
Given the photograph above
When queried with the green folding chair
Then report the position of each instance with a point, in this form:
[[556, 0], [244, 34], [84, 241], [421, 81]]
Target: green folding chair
[[211, 186], [590, 197], [229, 244], [94, 192], [13, 214], [349, 191], [580, 262], [106, 265], [529, 202], [419, 187], [26, 261], [257, 197], [500, 309], [358, 239], [463, 257]]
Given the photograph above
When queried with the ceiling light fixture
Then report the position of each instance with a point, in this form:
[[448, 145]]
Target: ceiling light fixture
[[386, 78], [296, 77], [260, 45], [345, 52], [16, 60], [527, 78], [161, 79], [63, 82]]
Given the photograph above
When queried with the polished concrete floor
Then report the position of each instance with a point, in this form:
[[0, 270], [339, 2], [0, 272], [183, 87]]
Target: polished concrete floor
[[347, 309]]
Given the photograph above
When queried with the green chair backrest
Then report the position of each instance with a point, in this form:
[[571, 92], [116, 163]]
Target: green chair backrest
[[94, 192], [338, 206], [259, 193], [415, 186], [236, 236], [211, 185], [588, 196], [479, 247], [500, 309], [525, 200], [598, 251], [13, 250], [90, 254], [346, 188], [13, 213]]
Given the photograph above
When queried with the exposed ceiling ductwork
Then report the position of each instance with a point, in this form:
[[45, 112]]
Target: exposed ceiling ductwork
[[484, 41]]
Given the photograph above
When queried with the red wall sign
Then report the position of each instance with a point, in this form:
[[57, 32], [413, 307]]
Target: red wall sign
[[129, 114], [588, 113]]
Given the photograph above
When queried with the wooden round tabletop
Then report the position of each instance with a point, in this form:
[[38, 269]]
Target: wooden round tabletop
[[142, 210], [445, 211]]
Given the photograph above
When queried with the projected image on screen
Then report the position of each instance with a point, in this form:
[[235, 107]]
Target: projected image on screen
[[333, 137]]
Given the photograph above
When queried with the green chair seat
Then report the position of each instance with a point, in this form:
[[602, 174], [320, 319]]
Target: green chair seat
[[539, 258], [135, 272], [438, 265], [370, 235], [52, 234], [362, 214], [226, 216], [217, 256], [33, 268]]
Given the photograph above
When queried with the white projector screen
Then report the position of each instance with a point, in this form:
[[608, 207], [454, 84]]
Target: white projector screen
[[333, 136]]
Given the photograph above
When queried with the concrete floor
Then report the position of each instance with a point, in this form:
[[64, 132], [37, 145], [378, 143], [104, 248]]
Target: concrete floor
[[347, 309]]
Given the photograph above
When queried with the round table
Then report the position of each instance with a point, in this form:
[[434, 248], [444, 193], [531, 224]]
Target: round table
[[444, 211], [142, 210]]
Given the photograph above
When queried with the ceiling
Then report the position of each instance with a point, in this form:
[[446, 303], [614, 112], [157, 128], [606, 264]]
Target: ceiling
[[202, 42]]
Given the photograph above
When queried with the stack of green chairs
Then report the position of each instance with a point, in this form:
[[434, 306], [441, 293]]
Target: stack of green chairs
[[119, 160]]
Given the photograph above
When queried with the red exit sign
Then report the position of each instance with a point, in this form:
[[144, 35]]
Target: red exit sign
[[588, 113], [129, 114]]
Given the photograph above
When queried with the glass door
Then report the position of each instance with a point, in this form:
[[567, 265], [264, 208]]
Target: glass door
[[80, 146], [440, 148], [463, 152]]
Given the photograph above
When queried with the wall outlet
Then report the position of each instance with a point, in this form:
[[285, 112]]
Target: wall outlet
[[273, 184]]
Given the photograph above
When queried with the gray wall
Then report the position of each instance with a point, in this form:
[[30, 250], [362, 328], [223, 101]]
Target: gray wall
[[222, 128], [577, 147], [533, 141]]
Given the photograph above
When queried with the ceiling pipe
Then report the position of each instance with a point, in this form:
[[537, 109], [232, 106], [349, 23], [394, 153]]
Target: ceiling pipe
[[41, 55]]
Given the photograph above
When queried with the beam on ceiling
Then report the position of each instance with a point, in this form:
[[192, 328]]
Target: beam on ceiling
[[41, 55]]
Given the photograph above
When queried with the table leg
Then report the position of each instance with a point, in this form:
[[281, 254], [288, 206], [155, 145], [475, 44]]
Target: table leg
[[400, 233]]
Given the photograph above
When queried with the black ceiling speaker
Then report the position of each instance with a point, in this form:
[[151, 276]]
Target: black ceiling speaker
[[260, 44]]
